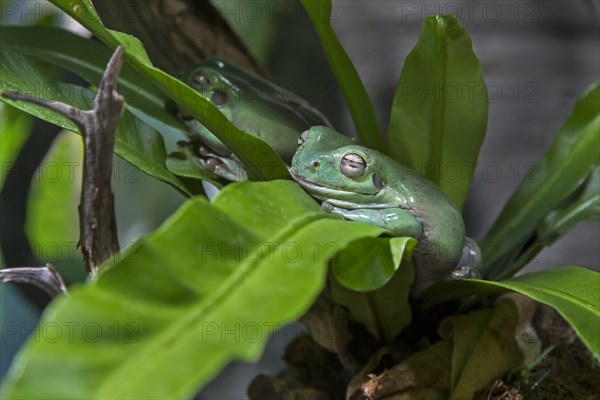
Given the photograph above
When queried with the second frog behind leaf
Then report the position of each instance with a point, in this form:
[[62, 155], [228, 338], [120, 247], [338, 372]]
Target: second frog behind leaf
[[255, 106]]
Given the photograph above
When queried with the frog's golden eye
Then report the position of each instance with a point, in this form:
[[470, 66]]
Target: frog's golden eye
[[219, 98], [302, 138], [200, 82], [353, 165]]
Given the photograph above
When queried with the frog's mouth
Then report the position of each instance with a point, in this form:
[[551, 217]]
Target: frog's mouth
[[341, 198]]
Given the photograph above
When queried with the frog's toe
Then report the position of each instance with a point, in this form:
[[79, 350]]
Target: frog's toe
[[327, 207], [465, 273]]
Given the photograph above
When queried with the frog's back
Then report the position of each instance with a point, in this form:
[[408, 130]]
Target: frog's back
[[441, 243]]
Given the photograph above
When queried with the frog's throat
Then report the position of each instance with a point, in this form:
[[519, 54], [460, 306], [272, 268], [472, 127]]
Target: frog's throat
[[341, 198]]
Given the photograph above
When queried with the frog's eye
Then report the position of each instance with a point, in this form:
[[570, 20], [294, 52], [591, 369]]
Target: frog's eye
[[218, 98], [200, 82], [302, 138], [353, 165]]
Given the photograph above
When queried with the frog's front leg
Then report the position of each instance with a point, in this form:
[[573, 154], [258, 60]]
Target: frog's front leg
[[229, 168], [192, 160], [470, 262], [397, 220]]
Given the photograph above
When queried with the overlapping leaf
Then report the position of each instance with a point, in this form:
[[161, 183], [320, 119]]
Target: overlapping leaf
[[372, 282]]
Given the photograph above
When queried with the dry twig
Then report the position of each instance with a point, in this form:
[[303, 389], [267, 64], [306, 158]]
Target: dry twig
[[46, 278], [97, 225]]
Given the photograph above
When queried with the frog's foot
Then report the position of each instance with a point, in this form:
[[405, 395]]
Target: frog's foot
[[192, 160], [465, 273], [327, 207], [470, 262], [229, 168]]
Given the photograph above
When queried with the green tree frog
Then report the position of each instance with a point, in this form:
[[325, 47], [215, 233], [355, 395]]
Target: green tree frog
[[364, 185], [255, 106]]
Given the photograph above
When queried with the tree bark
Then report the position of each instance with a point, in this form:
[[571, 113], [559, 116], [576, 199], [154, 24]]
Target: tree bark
[[177, 34]]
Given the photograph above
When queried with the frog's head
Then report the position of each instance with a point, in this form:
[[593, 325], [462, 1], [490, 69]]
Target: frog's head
[[213, 80], [333, 168]]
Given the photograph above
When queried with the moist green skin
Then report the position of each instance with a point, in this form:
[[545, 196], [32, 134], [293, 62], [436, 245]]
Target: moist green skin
[[397, 199], [255, 106]]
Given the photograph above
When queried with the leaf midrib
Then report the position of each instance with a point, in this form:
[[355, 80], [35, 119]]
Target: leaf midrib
[[437, 130]]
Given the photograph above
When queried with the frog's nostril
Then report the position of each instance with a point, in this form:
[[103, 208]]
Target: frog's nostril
[[316, 163]]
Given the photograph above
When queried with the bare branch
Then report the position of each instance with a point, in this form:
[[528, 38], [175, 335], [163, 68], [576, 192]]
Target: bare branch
[[97, 225], [68, 111], [46, 278]]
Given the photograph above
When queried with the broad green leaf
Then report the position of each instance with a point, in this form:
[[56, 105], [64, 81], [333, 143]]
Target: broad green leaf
[[573, 291], [369, 263], [386, 311], [52, 223], [136, 142], [88, 58], [357, 98], [260, 159], [439, 115], [15, 127], [209, 286], [572, 156]]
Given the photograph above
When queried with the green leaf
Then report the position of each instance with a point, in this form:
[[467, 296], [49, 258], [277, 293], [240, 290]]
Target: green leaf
[[580, 208], [15, 127], [369, 263], [386, 311], [439, 115], [584, 208], [558, 174], [162, 319], [142, 146], [573, 291], [136, 142], [52, 223], [260, 159], [359, 103]]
